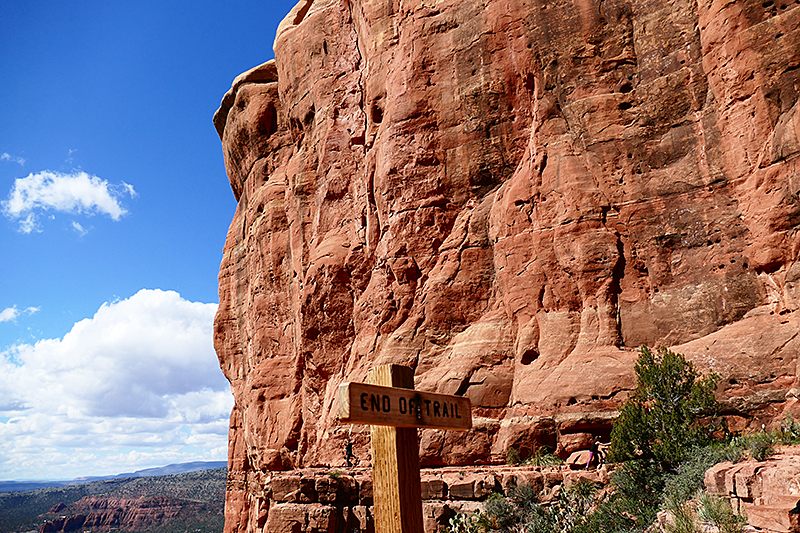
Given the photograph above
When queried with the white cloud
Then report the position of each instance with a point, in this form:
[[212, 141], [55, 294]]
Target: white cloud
[[140, 374], [128, 188], [11, 313], [8, 314], [28, 224], [75, 193], [77, 227], [5, 156]]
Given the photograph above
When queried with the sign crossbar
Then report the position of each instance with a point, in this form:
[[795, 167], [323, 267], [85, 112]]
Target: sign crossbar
[[362, 403]]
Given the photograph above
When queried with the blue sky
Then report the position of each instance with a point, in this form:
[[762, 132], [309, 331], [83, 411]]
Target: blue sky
[[115, 207]]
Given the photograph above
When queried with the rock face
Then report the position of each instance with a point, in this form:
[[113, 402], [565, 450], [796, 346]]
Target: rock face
[[765, 492], [509, 196]]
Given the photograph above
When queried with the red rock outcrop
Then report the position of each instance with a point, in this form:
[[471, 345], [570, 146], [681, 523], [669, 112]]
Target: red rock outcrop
[[765, 492], [509, 197], [97, 513]]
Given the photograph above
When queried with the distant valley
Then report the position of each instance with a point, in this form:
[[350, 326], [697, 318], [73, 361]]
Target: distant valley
[[140, 502]]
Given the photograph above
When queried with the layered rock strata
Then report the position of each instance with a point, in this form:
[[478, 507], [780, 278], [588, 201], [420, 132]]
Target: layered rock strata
[[95, 513], [509, 197], [766, 493]]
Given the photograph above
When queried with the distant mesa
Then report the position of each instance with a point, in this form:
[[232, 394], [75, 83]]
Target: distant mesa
[[180, 468]]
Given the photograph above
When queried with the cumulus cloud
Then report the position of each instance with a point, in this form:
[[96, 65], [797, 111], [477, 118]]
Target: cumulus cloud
[[141, 373], [75, 193], [5, 156]]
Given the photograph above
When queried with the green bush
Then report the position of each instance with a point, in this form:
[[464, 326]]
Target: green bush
[[687, 479], [660, 420], [521, 511], [499, 514], [790, 431], [762, 444], [718, 512], [656, 441], [462, 523], [542, 456], [683, 517], [513, 457]]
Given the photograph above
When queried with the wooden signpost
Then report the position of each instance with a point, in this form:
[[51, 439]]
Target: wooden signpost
[[394, 411]]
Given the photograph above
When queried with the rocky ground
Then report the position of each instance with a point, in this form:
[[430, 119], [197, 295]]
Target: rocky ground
[[317, 500]]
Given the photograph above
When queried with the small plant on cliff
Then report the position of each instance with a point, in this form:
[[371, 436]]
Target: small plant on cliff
[[462, 523], [513, 457], [762, 444], [660, 421], [542, 456]]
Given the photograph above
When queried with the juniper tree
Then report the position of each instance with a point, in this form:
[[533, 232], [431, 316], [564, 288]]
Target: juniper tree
[[660, 421]]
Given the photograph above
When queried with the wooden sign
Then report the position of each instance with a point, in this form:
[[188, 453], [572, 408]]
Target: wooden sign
[[362, 403], [393, 409]]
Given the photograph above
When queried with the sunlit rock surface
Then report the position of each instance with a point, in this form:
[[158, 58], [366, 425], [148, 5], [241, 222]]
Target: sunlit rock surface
[[510, 196]]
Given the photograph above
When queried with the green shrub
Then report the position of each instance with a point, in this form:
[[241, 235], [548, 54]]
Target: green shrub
[[656, 440], [513, 457], [573, 506], [687, 479], [461, 523], [543, 457], [683, 517], [789, 431], [762, 444], [660, 420], [521, 511], [662, 452], [499, 514], [718, 512]]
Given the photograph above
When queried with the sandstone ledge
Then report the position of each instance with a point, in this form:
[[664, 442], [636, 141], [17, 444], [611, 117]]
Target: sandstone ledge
[[763, 491], [321, 500]]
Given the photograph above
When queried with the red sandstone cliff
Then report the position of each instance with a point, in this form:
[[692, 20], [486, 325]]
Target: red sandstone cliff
[[100, 513], [510, 197]]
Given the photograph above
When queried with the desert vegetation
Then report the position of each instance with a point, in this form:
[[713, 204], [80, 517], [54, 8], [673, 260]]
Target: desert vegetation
[[667, 435], [205, 490]]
